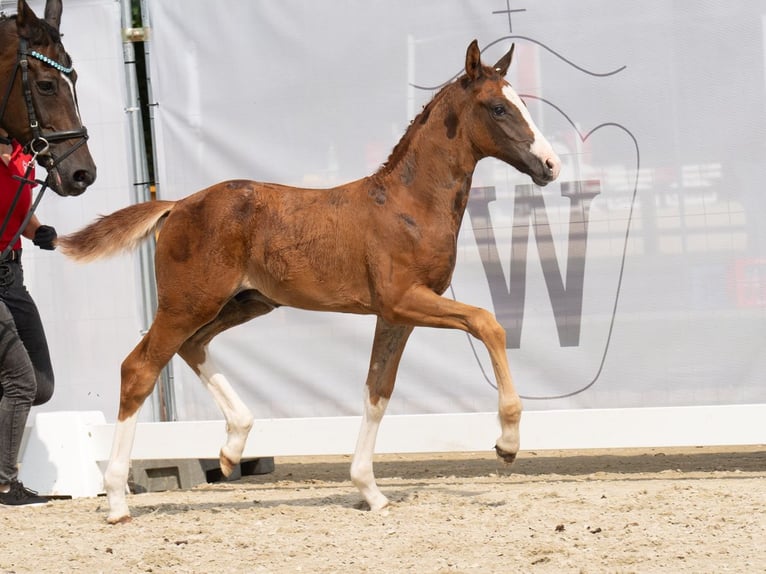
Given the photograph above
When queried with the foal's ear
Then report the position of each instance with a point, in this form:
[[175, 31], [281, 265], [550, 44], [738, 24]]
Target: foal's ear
[[473, 61], [53, 13], [504, 63]]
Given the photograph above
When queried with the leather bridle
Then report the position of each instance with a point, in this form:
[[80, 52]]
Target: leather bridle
[[39, 145]]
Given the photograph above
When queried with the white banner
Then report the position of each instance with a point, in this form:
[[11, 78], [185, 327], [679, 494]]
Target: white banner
[[636, 280]]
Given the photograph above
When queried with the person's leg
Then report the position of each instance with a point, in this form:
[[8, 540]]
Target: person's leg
[[29, 326], [18, 384]]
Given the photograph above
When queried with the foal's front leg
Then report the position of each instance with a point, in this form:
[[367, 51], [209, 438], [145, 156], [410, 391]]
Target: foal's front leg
[[116, 475], [420, 306], [138, 376], [387, 348]]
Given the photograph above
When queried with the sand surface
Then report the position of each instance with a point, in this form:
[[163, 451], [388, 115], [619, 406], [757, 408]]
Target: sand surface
[[650, 510]]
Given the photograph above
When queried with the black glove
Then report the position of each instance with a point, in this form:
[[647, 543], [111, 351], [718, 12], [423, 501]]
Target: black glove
[[44, 237]]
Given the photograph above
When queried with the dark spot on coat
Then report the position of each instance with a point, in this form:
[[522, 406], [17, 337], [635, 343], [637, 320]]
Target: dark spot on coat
[[378, 193], [451, 122], [244, 208], [410, 225], [424, 115], [336, 198], [461, 198], [408, 172], [180, 251]]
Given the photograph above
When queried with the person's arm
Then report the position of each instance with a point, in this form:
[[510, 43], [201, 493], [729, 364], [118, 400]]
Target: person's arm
[[31, 228]]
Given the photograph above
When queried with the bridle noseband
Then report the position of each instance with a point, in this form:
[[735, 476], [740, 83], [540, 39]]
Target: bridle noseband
[[39, 145]]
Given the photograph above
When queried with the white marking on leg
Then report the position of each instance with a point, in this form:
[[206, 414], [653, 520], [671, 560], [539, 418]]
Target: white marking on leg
[[540, 147], [239, 419], [116, 475], [361, 466]]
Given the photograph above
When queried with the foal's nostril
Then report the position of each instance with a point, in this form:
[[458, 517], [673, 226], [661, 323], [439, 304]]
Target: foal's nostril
[[550, 164]]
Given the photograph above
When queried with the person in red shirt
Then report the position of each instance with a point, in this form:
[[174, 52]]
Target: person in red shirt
[[26, 373]]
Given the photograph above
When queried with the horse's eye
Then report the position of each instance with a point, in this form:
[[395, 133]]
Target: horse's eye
[[46, 87], [498, 110]]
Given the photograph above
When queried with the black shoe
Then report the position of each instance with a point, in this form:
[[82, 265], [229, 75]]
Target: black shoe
[[18, 495]]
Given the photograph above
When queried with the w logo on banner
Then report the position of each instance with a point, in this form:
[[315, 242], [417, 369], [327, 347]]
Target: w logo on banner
[[530, 219]]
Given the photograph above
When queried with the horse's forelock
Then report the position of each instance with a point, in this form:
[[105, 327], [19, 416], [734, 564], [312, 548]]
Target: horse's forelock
[[43, 34]]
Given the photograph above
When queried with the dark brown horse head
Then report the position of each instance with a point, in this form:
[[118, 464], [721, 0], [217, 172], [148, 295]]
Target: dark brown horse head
[[39, 103], [501, 124]]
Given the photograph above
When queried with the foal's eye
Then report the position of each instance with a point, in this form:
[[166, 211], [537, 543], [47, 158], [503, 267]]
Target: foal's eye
[[46, 87], [498, 110]]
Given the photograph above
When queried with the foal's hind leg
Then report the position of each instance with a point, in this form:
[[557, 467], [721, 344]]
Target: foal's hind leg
[[239, 419], [139, 373], [421, 306], [387, 348]]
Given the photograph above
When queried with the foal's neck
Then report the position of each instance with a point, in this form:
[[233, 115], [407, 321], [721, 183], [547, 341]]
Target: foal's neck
[[437, 162]]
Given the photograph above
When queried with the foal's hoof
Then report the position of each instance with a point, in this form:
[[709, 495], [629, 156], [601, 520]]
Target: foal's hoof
[[119, 519], [227, 464], [508, 457]]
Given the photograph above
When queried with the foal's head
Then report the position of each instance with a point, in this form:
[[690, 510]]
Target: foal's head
[[498, 122], [38, 103]]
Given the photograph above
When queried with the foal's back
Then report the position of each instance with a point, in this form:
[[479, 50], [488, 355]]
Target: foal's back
[[304, 248]]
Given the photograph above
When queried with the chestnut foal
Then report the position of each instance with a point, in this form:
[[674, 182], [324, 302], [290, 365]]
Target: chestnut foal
[[382, 245]]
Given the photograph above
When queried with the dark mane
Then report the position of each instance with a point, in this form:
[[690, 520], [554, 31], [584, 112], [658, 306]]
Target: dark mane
[[400, 149]]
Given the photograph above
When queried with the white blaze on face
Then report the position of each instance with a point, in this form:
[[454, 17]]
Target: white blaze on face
[[71, 89], [540, 146]]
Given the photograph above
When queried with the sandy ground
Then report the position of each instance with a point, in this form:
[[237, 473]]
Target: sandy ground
[[653, 510]]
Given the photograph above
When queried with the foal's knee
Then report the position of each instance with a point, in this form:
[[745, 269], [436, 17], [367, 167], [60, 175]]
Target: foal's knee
[[485, 326]]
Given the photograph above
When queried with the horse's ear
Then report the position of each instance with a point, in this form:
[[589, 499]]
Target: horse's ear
[[25, 19], [503, 63], [53, 13], [473, 61]]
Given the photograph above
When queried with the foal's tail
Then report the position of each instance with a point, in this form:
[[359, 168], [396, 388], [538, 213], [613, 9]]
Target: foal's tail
[[123, 230]]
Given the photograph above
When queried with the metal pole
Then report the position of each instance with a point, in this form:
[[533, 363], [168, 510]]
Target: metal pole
[[163, 397]]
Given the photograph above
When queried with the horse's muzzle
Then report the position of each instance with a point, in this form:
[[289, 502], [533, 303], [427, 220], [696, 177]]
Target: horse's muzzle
[[550, 170]]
